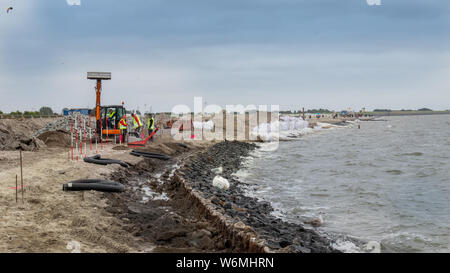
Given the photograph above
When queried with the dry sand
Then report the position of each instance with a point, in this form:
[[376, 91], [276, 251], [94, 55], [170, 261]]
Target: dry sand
[[50, 218]]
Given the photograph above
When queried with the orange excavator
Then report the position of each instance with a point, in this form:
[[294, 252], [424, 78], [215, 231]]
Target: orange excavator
[[107, 117]]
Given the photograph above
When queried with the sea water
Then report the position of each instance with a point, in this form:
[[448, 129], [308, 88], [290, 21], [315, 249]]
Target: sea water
[[388, 182]]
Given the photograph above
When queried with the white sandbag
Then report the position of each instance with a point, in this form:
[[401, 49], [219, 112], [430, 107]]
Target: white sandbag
[[284, 126], [198, 125], [275, 126], [209, 125], [221, 183]]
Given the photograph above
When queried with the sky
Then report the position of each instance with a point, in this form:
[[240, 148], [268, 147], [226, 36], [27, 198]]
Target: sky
[[331, 54]]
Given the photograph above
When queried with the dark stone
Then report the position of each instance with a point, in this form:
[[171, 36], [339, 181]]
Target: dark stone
[[279, 234]]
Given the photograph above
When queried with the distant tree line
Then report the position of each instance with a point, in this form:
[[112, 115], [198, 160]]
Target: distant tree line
[[403, 110], [43, 111], [326, 111], [322, 111]]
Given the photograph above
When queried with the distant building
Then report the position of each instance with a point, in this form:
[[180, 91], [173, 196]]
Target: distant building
[[83, 111]]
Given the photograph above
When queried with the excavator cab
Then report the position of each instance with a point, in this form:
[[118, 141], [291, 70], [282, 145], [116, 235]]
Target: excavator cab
[[110, 117]]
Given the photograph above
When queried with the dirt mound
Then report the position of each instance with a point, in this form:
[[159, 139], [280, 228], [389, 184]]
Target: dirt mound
[[10, 141], [56, 139], [17, 134]]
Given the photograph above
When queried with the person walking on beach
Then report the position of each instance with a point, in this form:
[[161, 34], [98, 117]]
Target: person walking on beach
[[151, 125]]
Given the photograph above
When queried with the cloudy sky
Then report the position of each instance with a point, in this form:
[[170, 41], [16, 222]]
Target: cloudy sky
[[295, 53]]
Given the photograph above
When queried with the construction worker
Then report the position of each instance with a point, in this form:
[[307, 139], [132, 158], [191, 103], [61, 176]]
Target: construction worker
[[111, 118], [137, 123], [151, 125], [123, 125]]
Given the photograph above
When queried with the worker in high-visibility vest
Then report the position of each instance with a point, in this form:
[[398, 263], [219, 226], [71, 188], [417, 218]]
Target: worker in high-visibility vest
[[151, 125], [137, 123], [111, 118], [123, 126]]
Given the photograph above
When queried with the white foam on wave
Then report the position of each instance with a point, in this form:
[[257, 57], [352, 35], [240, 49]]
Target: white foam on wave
[[248, 160], [242, 174], [405, 236], [268, 147], [346, 246]]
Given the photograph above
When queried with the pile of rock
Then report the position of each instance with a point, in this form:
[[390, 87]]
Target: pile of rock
[[226, 158], [65, 124]]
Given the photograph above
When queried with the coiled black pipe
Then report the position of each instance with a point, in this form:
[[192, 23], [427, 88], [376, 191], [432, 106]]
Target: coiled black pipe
[[149, 155], [104, 161], [94, 184]]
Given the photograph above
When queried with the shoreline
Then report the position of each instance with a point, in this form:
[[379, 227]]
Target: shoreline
[[276, 235], [200, 217]]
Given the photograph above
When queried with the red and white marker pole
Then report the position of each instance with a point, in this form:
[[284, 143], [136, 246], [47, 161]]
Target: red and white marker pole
[[90, 133], [85, 139], [71, 138], [81, 138]]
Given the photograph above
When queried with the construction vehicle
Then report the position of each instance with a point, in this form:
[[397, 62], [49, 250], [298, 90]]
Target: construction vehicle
[[110, 126], [104, 125]]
